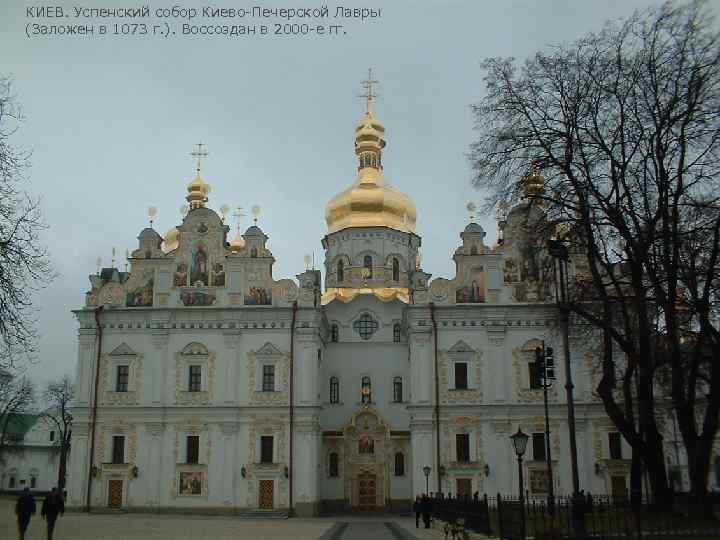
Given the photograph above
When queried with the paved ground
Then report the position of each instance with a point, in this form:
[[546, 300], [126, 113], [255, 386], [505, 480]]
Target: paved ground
[[76, 526]]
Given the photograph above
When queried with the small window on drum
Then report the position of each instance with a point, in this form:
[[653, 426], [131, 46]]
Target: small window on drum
[[396, 332], [334, 333], [396, 270], [334, 390], [368, 263], [340, 271]]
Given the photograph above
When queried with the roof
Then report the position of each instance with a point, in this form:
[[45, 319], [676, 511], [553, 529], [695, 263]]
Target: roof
[[19, 424]]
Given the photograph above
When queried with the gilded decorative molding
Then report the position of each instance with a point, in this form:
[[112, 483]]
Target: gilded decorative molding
[[195, 353], [281, 360]]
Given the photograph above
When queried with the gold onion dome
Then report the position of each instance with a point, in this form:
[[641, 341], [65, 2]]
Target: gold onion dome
[[370, 202], [198, 191], [237, 243], [171, 240]]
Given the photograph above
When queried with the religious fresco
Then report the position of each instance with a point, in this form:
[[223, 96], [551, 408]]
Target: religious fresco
[[190, 483], [475, 292], [258, 296], [218, 275], [181, 275], [539, 481], [199, 266], [142, 296], [197, 297], [366, 445]]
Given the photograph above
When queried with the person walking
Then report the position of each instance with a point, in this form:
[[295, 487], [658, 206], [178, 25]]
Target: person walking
[[418, 511], [24, 510], [52, 506], [425, 508]]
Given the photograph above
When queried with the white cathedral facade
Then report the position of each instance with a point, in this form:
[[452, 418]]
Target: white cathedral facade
[[204, 384]]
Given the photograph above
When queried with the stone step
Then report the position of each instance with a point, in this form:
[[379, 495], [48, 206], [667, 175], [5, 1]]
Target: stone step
[[263, 514]]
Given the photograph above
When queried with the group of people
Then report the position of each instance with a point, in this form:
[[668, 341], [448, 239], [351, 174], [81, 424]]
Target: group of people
[[53, 505], [422, 508]]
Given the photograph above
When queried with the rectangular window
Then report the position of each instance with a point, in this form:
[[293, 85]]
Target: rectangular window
[[462, 447], [266, 449], [118, 449], [52, 436], [123, 374], [538, 446], [461, 376], [268, 378], [193, 448], [195, 379], [535, 376], [615, 443], [33, 482]]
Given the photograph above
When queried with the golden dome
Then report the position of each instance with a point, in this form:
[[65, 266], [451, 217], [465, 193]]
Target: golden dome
[[171, 240], [198, 191], [370, 202], [237, 243], [534, 183]]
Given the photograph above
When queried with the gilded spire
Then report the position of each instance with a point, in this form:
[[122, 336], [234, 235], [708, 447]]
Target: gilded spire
[[369, 133], [369, 95], [197, 189], [534, 183]]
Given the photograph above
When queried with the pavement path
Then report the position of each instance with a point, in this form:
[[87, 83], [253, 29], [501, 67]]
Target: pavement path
[[365, 530]]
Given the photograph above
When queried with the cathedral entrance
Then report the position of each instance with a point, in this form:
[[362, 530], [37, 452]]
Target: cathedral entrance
[[266, 494], [115, 489], [367, 492]]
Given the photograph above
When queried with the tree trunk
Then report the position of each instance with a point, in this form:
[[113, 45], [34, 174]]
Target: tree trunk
[[699, 471], [62, 469]]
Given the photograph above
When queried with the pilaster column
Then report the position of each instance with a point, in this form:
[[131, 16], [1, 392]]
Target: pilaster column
[[230, 467], [422, 370], [87, 340], [423, 454], [231, 339], [154, 433], [159, 366], [79, 466]]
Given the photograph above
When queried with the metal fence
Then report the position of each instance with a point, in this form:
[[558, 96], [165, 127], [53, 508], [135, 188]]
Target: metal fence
[[586, 518]]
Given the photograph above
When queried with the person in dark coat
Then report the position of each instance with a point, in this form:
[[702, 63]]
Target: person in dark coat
[[24, 509], [52, 506], [418, 511], [425, 509]]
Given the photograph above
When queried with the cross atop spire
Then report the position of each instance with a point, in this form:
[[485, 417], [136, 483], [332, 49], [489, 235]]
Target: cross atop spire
[[369, 94], [199, 153]]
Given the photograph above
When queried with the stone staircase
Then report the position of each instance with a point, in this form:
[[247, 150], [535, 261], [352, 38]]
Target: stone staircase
[[263, 514]]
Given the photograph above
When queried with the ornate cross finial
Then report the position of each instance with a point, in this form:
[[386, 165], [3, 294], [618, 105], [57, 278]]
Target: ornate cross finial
[[238, 215], [368, 86], [199, 154]]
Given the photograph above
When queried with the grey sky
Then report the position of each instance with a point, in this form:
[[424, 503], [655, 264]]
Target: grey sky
[[111, 122]]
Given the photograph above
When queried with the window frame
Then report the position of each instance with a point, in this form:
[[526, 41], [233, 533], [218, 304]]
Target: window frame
[[192, 451], [122, 378], [456, 373], [267, 378], [397, 389], [264, 450], [462, 447], [538, 441], [195, 378], [399, 464], [333, 465], [340, 271], [334, 333], [118, 450], [396, 270], [534, 376], [366, 382], [397, 333], [334, 390], [615, 443], [368, 263]]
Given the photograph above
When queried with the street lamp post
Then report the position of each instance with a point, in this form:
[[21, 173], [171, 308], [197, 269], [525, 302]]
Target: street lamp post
[[541, 355], [558, 250], [519, 441], [427, 470]]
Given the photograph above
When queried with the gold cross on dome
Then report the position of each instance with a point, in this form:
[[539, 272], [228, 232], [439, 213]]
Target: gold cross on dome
[[199, 153], [368, 86]]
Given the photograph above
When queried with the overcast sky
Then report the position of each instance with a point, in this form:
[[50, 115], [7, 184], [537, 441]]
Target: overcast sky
[[111, 122]]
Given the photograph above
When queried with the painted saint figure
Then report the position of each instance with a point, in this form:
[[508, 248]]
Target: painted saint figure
[[199, 269]]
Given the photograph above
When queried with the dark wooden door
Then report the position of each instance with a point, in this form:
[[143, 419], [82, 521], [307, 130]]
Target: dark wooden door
[[266, 494], [464, 487], [618, 487], [367, 492], [115, 489]]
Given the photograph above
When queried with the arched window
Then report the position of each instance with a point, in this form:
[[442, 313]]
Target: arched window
[[473, 250], [366, 390], [397, 390], [367, 263], [396, 332], [399, 464], [340, 271], [334, 390], [253, 252], [396, 269], [334, 333], [333, 471]]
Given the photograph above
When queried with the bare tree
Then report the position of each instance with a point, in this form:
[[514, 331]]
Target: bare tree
[[58, 395], [24, 264], [625, 123], [17, 396]]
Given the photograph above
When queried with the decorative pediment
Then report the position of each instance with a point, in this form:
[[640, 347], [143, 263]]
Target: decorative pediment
[[460, 347], [195, 349], [366, 420], [123, 350], [268, 350]]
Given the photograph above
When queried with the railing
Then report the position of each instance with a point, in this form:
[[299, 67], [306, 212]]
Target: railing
[[587, 518]]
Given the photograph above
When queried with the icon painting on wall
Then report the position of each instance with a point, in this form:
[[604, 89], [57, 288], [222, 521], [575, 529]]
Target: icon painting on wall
[[199, 268], [193, 297], [258, 296], [181, 275], [190, 483], [474, 293], [142, 296]]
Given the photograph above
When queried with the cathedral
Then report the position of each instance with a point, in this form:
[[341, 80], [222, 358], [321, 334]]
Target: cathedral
[[204, 384]]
